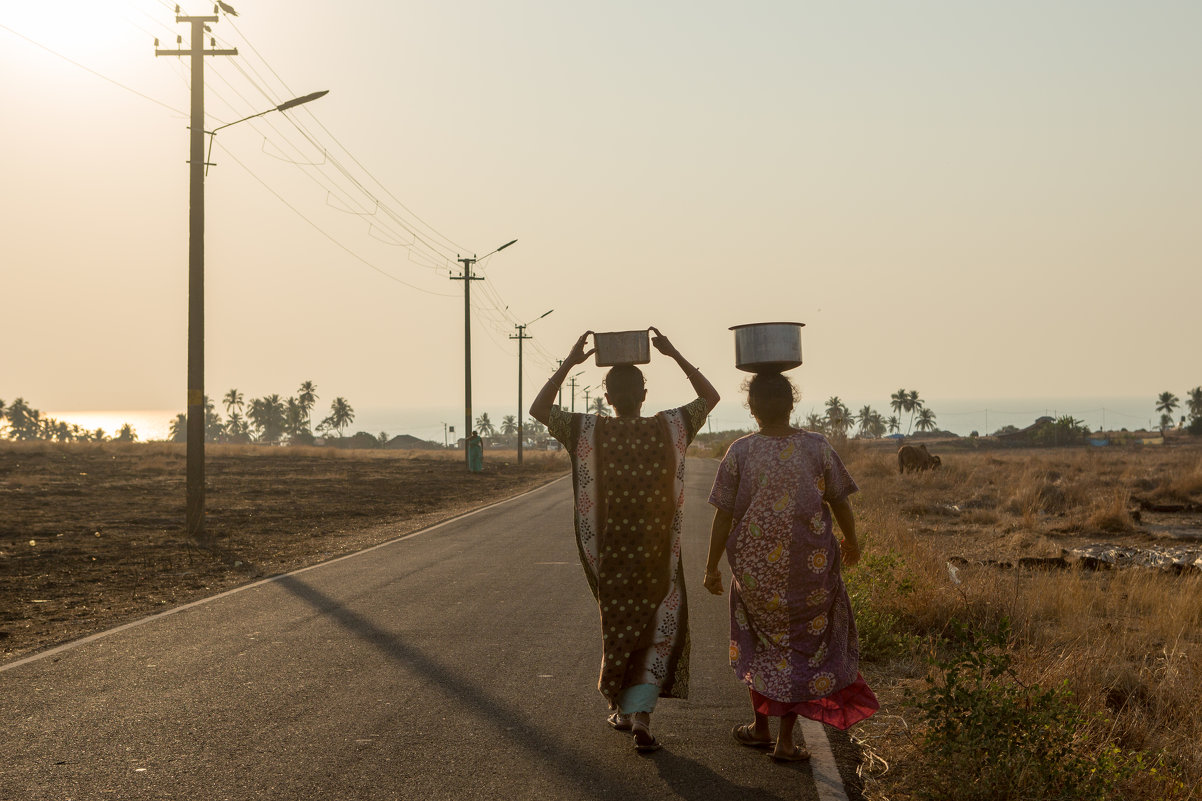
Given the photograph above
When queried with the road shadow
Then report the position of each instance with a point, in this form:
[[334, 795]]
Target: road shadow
[[692, 780], [575, 766]]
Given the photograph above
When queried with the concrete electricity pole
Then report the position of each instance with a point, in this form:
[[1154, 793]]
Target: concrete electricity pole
[[467, 279], [195, 507], [521, 335], [572, 381]]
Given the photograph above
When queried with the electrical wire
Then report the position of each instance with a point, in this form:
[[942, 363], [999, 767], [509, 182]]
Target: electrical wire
[[329, 236], [91, 71]]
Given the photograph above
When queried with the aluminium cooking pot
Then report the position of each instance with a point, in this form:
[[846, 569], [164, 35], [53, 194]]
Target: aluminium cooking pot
[[622, 347], [767, 347]]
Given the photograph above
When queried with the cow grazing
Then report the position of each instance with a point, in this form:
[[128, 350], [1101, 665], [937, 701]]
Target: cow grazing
[[911, 458]]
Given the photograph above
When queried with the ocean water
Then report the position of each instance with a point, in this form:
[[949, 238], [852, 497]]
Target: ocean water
[[960, 416]]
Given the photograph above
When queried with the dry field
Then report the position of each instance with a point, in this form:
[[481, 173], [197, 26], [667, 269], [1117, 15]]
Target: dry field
[[992, 536], [91, 535]]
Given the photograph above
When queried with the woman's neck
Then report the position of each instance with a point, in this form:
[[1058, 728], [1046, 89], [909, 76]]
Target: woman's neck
[[776, 429]]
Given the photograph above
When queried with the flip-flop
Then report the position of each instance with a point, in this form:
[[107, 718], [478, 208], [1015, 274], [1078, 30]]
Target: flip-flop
[[644, 741], [743, 736], [798, 755], [619, 722]]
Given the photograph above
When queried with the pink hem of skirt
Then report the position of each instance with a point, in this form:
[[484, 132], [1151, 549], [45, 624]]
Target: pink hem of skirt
[[841, 709]]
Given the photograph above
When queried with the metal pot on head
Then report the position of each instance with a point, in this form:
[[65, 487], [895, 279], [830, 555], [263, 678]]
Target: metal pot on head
[[622, 347], [767, 347]]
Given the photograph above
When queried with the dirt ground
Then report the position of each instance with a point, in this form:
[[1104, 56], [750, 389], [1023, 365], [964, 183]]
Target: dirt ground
[[92, 535]]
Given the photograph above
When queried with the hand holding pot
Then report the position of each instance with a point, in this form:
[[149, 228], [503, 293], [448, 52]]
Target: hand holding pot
[[578, 353], [662, 344]]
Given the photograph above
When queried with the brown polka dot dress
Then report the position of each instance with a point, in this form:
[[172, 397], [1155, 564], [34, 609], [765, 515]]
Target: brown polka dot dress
[[628, 477]]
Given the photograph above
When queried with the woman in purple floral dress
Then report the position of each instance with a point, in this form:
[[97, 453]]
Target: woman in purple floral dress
[[792, 634]]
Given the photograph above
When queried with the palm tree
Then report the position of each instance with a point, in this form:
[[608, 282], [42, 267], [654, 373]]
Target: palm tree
[[236, 428], [22, 420], [1193, 401], [816, 422], [876, 425], [838, 416], [294, 418], [179, 428], [926, 420], [214, 428], [267, 416], [509, 425], [913, 406], [1166, 402], [866, 417], [599, 407], [232, 401], [341, 416], [900, 401], [893, 424], [307, 397], [127, 434], [485, 426]]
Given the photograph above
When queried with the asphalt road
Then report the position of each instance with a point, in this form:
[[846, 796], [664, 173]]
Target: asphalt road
[[456, 663]]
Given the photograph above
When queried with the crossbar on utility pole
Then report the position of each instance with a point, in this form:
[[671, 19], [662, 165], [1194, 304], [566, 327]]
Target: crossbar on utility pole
[[195, 506]]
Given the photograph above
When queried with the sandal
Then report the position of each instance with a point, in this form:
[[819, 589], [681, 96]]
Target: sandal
[[619, 722], [798, 755], [644, 740], [743, 736]]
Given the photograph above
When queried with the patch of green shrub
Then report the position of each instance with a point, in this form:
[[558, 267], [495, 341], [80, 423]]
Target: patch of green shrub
[[986, 735], [873, 584]]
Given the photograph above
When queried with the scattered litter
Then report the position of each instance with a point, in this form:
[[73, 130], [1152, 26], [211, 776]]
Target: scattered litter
[[953, 572]]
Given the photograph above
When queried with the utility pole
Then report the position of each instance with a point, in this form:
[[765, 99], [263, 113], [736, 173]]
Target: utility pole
[[572, 381], [586, 389], [521, 335], [558, 364], [467, 279], [195, 506]]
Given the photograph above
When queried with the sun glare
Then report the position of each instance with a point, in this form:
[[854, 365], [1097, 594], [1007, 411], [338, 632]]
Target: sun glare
[[98, 35]]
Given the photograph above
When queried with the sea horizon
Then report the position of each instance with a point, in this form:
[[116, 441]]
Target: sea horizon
[[960, 416]]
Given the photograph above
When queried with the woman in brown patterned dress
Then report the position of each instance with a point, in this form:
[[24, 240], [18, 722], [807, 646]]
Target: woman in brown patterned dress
[[628, 479]]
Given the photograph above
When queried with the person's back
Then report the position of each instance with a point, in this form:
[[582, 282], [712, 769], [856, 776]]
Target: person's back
[[628, 481]]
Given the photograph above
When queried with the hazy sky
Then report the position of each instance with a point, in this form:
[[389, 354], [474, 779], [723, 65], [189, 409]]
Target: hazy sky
[[972, 199]]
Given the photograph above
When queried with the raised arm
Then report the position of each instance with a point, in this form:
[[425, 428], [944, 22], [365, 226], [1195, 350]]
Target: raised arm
[[540, 409], [701, 384]]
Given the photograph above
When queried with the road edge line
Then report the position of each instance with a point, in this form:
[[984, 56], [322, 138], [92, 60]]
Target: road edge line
[[67, 646], [827, 779]]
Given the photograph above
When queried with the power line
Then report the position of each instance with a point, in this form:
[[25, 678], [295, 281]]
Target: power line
[[91, 71], [329, 236]]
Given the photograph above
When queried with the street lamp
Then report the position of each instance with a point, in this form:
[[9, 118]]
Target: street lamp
[[467, 279], [521, 335], [195, 493], [293, 103]]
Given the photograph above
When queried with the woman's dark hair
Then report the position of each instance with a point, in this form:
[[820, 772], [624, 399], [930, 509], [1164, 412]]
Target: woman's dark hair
[[770, 396], [626, 386]]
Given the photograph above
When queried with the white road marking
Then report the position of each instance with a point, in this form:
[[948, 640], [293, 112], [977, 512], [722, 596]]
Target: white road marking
[[827, 780]]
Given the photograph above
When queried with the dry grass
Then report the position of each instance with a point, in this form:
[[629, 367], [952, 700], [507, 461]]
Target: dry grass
[[1128, 643]]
